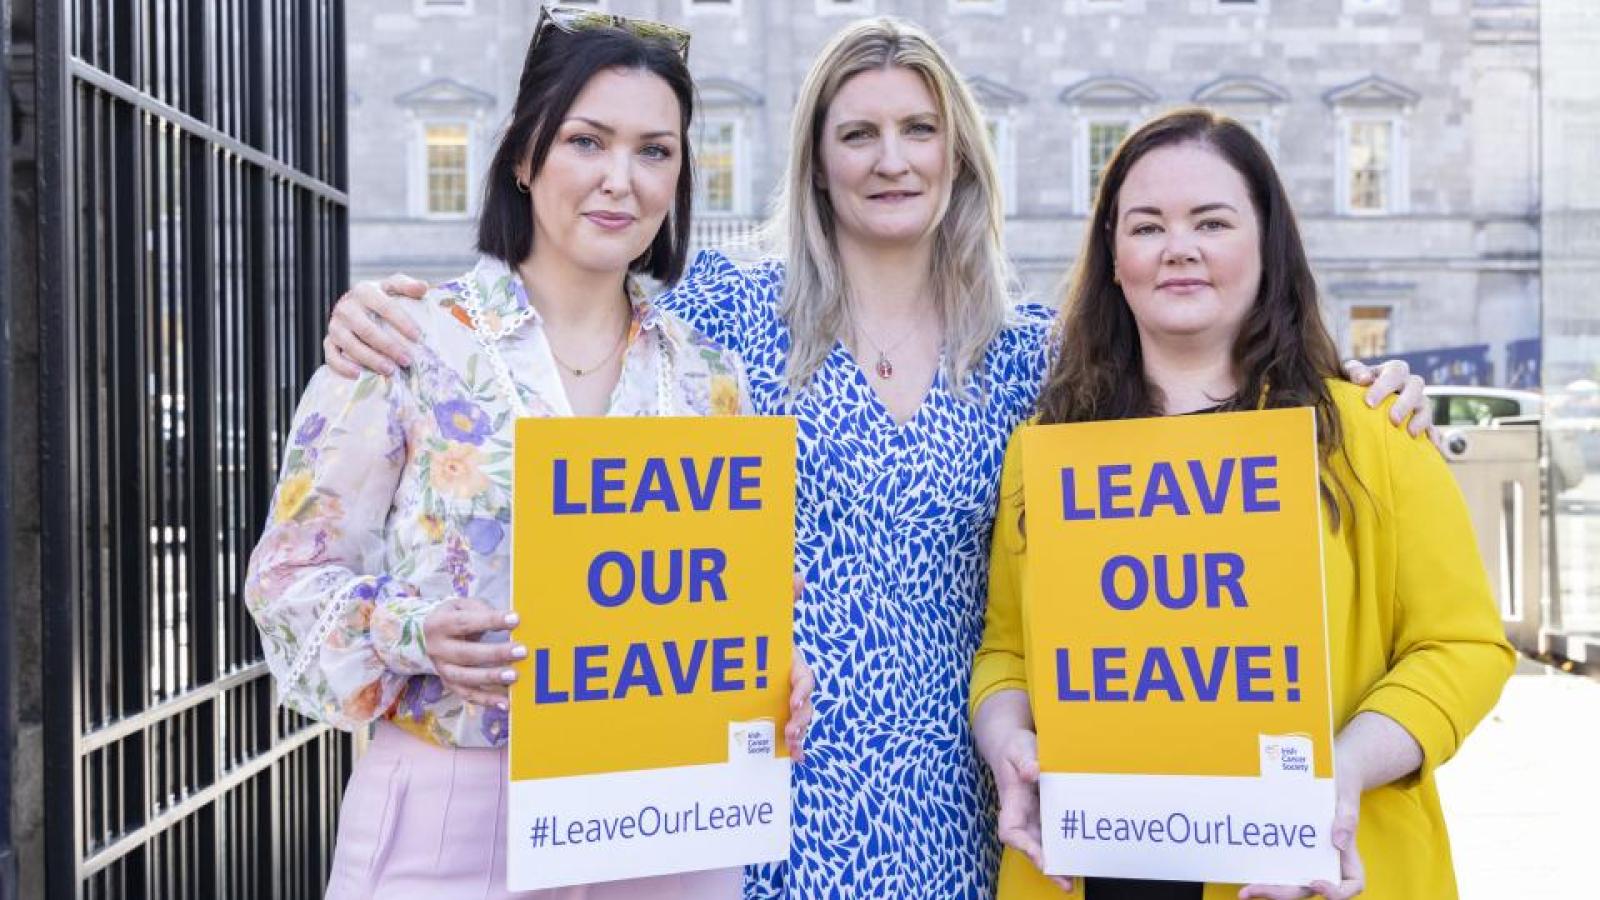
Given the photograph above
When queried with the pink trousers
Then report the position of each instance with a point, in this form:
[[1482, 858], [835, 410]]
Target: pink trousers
[[424, 822]]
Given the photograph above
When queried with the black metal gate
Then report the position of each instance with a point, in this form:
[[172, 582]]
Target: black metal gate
[[192, 231]]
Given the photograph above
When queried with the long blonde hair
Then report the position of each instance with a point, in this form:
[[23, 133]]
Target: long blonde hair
[[970, 277]]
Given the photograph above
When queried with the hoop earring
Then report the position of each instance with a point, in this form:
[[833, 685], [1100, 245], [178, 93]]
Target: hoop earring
[[522, 186]]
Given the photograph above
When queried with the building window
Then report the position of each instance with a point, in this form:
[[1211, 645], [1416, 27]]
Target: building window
[[1370, 177], [716, 159], [844, 7], [444, 7], [1101, 137], [1239, 4], [1369, 331], [446, 148], [1004, 157], [1261, 127]]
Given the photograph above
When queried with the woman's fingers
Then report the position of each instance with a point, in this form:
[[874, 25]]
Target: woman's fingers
[[336, 359], [360, 316], [402, 285], [484, 687], [1414, 399], [794, 736], [476, 696], [1023, 755], [1274, 892], [362, 319], [492, 679], [1389, 378], [450, 634], [472, 617], [478, 654], [1352, 871], [1358, 372], [343, 346], [801, 685]]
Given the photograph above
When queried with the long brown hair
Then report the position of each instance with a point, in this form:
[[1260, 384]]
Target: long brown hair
[[1283, 352]]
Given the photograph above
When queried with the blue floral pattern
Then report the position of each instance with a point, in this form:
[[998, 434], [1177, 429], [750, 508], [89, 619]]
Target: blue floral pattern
[[893, 525]]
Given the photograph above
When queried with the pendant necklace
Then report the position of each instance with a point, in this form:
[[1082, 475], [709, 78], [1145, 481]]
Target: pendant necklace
[[884, 366], [489, 339], [580, 371]]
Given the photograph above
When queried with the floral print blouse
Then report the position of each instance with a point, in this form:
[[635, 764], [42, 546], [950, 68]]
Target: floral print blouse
[[395, 496]]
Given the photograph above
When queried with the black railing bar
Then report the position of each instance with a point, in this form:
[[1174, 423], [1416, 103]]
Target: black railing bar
[[143, 719], [58, 458], [8, 721], [88, 867], [143, 101]]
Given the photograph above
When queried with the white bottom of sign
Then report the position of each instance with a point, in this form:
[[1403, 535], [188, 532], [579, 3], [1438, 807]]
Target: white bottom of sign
[[1185, 828], [588, 828]]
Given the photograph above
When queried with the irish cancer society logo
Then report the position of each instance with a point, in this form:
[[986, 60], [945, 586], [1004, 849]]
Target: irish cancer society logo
[[1285, 755], [751, 740]]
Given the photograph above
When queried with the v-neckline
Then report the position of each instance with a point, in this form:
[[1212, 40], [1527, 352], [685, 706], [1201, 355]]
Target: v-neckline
[[881, 409]]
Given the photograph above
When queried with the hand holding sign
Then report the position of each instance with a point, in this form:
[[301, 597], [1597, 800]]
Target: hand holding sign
[[1174, 588], [469, 667], [801, 685], [661, 703]]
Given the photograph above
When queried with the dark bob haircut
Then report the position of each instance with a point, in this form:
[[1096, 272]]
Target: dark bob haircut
[[554, 73]]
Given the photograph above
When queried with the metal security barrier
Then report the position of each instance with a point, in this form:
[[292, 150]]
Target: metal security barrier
[[1498, 470], [191, 230]]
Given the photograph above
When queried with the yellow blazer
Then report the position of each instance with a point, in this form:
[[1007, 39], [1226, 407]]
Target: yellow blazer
[[1413, 629]]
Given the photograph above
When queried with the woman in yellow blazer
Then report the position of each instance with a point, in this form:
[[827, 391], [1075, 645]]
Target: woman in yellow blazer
[[1193, 295]]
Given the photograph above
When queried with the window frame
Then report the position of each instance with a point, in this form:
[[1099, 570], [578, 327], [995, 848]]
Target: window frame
[[423, 9], [1398, 189], [717, 8], [976, 7], [1005, 157], [848, 8], [1390, 331], [1082, 193], [1240, 6], [741, 168], [423, 193]]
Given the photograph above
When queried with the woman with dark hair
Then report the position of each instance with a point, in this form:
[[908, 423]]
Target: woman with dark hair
[[381, 584], [1194, 295]]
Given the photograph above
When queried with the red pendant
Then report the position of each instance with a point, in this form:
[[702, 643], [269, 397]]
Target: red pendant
[[884, 367]]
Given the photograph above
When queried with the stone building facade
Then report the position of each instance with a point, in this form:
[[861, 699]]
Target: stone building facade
[[1406, 129]]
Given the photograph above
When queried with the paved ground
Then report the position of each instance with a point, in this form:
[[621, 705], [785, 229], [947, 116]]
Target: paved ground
[[1523, 795]]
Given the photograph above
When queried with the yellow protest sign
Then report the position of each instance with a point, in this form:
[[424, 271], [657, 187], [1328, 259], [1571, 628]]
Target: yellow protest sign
[[1177, 647], [652, 567]]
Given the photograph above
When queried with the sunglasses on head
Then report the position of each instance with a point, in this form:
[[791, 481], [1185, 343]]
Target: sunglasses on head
[[572, 19]]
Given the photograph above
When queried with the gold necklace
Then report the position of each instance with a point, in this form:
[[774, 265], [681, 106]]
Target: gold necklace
[[581, 371]]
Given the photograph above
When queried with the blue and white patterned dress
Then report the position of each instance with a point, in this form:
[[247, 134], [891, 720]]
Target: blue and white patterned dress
[[893, 526]]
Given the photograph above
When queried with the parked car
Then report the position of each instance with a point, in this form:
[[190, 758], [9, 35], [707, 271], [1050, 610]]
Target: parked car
[[1486, 407]]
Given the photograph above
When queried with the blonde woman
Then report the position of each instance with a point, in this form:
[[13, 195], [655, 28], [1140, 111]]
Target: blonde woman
[[889, 332]]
